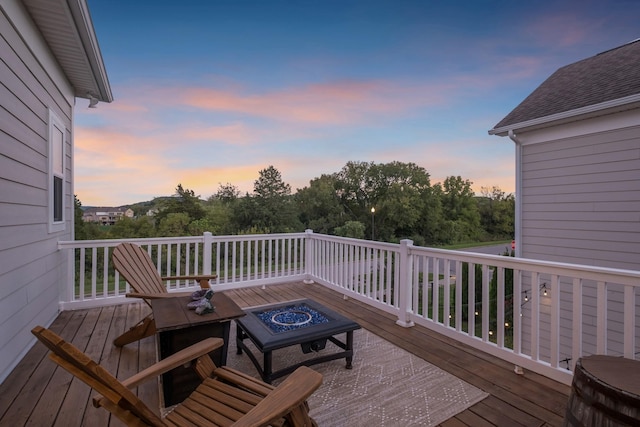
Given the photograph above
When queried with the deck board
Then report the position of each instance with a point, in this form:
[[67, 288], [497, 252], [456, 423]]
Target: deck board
[[36, 393]]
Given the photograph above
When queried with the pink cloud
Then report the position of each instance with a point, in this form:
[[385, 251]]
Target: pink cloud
[[562, 29], [234, 134], [330, 103]]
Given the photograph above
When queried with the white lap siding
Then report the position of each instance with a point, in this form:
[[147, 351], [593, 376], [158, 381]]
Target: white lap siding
[[32, 269]]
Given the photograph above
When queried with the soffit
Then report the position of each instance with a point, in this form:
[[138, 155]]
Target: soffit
[[67, 28]]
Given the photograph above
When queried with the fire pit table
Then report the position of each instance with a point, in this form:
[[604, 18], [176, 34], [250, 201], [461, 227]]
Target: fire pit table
[[302, 322]]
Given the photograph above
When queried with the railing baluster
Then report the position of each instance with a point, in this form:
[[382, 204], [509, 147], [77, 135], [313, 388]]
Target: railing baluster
[[500, 321], [446, 299], [629, 322], [471, 297], [601, 318], [81, 282], [486, 306], [459, 292], [554, 348], [105, 273], [535, 316]]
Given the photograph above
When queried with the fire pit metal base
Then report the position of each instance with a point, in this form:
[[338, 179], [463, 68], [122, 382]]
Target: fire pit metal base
[[302, 322]]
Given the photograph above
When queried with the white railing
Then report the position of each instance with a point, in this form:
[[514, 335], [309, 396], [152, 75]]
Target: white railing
[[537, 315], [237, 261]]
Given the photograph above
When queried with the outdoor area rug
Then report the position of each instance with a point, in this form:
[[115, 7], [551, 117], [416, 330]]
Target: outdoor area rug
[[387, 386]]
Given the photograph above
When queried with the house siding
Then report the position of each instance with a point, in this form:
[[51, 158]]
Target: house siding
[[32, 268], [581, 199], [580, 196]]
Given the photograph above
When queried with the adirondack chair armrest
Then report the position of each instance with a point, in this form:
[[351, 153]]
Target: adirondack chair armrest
[[177, 359], [291, 393], [191, 277], [202, 279], [157, 296], [182, 357]]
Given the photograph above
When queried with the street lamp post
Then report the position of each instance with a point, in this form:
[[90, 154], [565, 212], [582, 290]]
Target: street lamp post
[[373, 224]]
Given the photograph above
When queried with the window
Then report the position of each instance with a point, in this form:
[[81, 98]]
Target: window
[[56, 173]]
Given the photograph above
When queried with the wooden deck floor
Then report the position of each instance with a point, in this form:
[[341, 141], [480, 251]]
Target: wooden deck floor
[[38, 394]]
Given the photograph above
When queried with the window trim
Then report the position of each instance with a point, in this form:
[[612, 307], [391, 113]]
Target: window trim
[[55, 124]]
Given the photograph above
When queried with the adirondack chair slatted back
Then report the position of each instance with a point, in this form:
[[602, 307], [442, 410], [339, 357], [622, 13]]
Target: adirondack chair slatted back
[[135, 265], [120, 400]]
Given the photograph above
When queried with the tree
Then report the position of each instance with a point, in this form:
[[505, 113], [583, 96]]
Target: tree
[[353, 189], [462, 221], [353, 229], [174, 224], [269, 184], [127, 227], [275, 211], [400, 194], [222, 211], [78, 222], [497, 212], [319, 206], [227, 193], [184, 201]]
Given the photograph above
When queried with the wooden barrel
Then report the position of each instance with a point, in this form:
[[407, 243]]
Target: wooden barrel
[[605, 392]]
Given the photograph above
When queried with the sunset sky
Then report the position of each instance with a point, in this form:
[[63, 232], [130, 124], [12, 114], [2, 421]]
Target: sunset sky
[[211, 92]]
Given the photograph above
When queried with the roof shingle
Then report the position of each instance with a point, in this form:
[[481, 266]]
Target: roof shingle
[[610, 75]]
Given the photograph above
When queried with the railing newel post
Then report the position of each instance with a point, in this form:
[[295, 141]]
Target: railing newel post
[[207, 242], [308, 256], [404, 285]]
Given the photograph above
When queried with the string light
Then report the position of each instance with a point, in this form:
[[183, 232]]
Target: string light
[[543, 288]]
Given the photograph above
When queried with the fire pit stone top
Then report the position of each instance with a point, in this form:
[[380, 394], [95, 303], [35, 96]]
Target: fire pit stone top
[[292, 322], [289, 317]]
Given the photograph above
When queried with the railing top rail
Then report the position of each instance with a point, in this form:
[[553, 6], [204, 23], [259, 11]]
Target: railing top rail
[[164, 240], [273, 236], [359, 242], [68, 244], [612, 275]]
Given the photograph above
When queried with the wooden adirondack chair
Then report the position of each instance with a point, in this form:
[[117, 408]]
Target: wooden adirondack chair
[[225, 397], [135, 265]]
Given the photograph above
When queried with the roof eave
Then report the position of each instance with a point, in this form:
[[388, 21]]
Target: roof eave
[[67, 28], [84, 24], [606, 107]]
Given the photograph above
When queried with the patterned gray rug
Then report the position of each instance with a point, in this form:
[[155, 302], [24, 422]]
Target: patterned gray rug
[[387, 386]]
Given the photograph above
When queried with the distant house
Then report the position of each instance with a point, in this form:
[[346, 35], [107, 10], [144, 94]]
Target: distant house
[[50, 58], [106, 216], [577, 142]]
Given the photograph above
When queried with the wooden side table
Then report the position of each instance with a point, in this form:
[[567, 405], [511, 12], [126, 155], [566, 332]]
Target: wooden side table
[[605, 391], [178, 327]]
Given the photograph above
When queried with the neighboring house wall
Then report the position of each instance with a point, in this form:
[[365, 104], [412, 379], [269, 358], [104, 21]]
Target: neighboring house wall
[[32, 268], [580, 192], [578, 185], [580, 204]]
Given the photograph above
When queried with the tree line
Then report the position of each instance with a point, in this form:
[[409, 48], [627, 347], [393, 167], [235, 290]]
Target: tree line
[[365, 200]]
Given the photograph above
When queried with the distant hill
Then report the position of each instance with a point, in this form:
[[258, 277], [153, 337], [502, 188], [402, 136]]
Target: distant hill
[[139, 208]]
